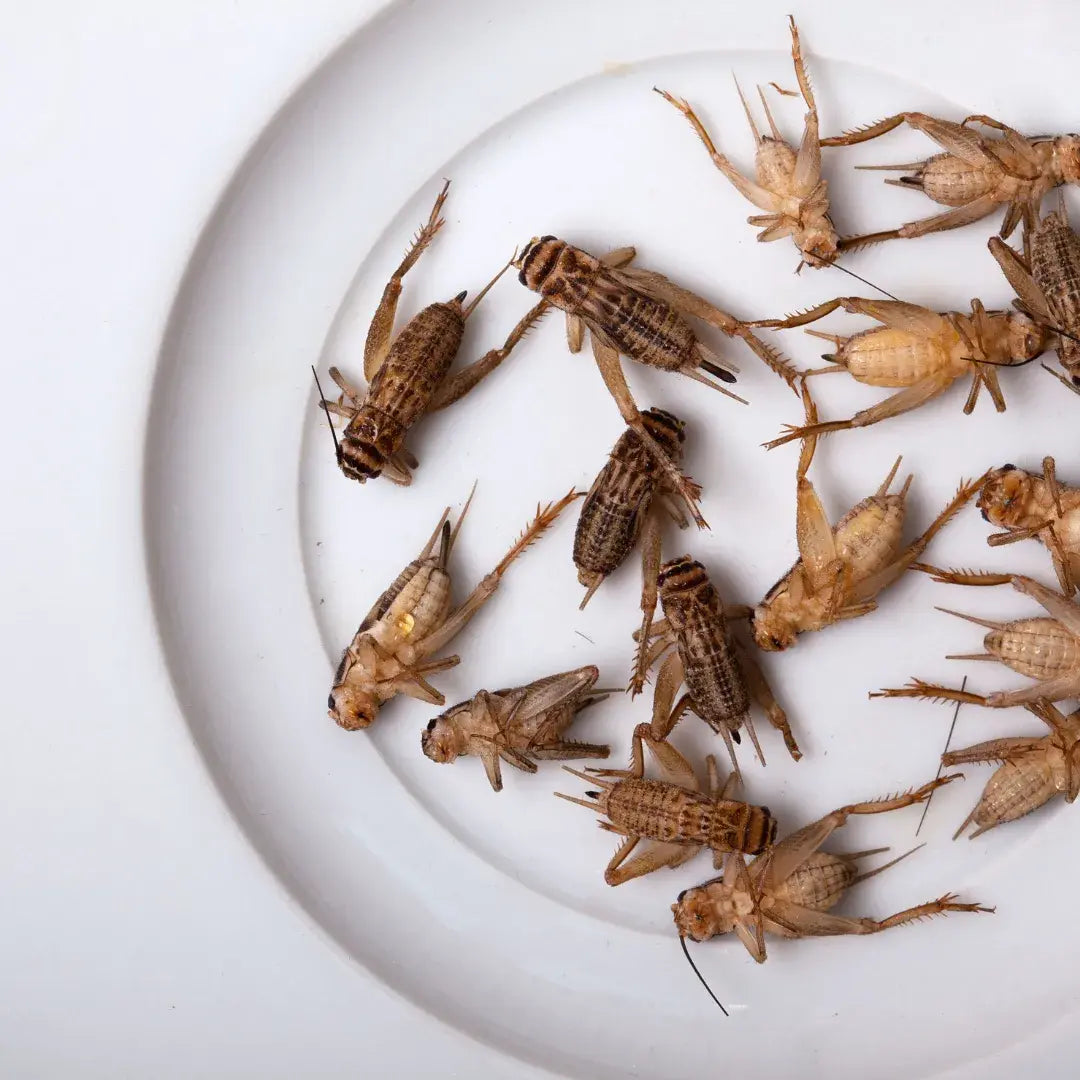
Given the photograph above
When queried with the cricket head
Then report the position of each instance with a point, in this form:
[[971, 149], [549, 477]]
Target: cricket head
[[1067, 158], [1003, 498], [443, 739], [683, 585], [666, 429], [775, 626], [1025, 339], [708, 910], [352, 707], [818, 243], [537, 260]]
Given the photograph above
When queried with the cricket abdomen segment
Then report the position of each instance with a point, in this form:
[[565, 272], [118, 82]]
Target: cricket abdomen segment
[[870, 534], [895, 358], [1017, 788], [1039, 648], [951, 181], [669, 814], [819, 882]]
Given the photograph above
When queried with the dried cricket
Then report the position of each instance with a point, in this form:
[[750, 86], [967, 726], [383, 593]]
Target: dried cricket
[[408, 374], [920, 350], [621, 505], [521, 726], [721, 676], [640, 314], [1027, 505], [1044, 649], [841, 569], [1032, 772], [788, 186], [412, 620], [674, 817], [789, 890], [1049, 287], [975, 175]]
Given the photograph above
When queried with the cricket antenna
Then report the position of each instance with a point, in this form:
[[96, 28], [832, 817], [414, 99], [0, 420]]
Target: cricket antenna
[[326, 409], [701, 978], [851, 273]]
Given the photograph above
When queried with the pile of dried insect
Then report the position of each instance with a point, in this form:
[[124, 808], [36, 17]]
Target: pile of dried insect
[[701, 646]]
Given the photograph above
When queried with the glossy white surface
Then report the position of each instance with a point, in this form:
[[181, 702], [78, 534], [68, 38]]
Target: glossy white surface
[[142, 937]]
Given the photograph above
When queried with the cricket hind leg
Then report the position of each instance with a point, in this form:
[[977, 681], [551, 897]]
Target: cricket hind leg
[[650, 571], [762, 693], [458, 385], [656, 855], [380, 332], [607, 360], [759, 196]]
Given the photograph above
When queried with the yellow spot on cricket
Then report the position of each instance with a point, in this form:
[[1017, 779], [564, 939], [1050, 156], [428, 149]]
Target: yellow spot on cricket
[[406, 624]]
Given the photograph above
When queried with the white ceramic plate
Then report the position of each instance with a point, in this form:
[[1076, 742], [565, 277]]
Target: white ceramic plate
[[490, 911]]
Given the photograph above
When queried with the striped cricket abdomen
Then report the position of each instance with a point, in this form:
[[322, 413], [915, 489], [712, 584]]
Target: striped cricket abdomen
[[893, 358]]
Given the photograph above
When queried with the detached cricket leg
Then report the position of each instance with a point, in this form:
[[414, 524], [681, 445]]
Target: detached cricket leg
[[458, 385], [650, 571], [457, 619], [763, 695], [381, 330], [607, 360]]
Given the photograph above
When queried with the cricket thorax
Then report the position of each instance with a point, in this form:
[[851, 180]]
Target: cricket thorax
[[1063, 157], [370, 440]]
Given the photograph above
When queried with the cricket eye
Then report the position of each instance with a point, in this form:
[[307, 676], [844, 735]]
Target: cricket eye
[[432, 723]]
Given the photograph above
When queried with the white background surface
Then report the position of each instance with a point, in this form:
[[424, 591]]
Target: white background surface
[[141, 936]]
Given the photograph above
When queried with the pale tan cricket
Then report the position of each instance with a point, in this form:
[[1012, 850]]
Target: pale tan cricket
[[1027, 505], [1044, 649], [623, 505], [976, 173], [521, 726], [918, 351], [673, 816], [390, 652], [722, 678], [1048, 287], [642, 315], [789, 890], [842, 569], [408, 374], [1032, 772], [788, 186]]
